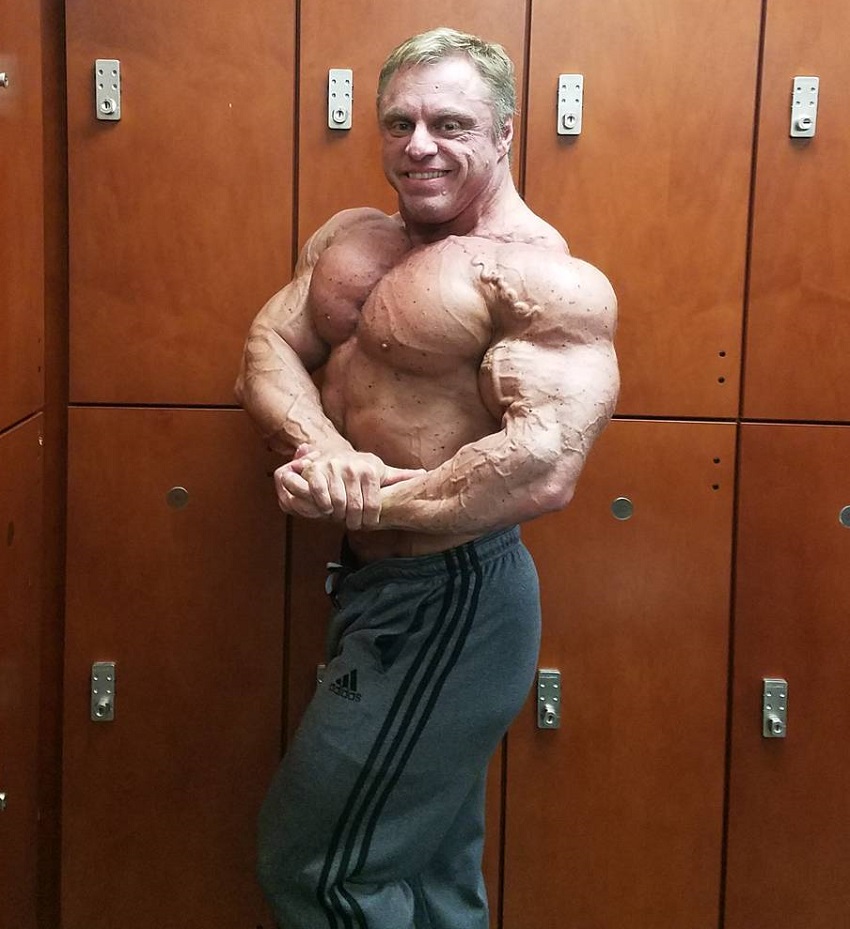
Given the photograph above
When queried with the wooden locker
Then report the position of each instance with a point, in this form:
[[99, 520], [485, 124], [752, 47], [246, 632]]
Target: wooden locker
[[21, 213], [183, 589], [798, 326], [21, 575], [789, 810], [181, 212], [615, 819], [342, 168], [655, 190]]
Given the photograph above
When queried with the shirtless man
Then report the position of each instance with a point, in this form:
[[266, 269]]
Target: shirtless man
[[469, 367]]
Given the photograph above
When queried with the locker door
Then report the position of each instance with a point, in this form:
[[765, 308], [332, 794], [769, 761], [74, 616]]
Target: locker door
[[183, 590], [342, 168], [655, 189], [180, 213], [20, 627], [789, 817], [615, 819], [798, 329], [21, 212]]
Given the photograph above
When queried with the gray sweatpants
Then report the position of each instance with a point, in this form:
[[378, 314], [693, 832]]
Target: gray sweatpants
[[375, 819]]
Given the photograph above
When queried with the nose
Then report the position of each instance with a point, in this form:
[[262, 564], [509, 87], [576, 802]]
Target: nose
[[421, 143]]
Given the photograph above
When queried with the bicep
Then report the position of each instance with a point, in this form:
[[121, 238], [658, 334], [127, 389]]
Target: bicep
[[555, 397], [285, 320]]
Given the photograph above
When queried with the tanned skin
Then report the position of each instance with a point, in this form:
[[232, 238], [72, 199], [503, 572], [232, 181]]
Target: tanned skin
[[469, 360]]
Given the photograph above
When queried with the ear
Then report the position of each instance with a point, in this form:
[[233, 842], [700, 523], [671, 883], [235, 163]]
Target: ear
[[507, 136]]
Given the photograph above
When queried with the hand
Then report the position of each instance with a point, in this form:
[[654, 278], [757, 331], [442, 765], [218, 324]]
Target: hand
[[340, 484]]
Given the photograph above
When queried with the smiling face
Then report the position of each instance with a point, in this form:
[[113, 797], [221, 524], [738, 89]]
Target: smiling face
[[441, 151]]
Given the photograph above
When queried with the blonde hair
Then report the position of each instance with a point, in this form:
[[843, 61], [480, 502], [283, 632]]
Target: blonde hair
[[490, 60]]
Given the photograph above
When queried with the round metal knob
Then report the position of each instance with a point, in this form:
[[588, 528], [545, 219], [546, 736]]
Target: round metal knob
[[622, 508], [4, 79]]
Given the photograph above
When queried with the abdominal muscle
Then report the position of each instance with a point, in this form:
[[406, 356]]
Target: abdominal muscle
[[407, 420]]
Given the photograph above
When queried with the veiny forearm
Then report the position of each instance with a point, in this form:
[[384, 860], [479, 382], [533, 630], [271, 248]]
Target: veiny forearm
[[276, 390], [497, 481]]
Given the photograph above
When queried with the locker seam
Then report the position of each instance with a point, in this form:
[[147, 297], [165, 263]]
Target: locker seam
[[523, 114], [736, 502], [286, 643]]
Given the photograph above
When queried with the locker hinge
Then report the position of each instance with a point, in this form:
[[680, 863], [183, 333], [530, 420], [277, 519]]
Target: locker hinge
[[548, 699], [804, 107], [570, 103], [107, 88], [340, 97], [774, 708], [103, 691]]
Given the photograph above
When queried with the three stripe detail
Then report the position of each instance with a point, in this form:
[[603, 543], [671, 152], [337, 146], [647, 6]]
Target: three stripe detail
[[405, 721]]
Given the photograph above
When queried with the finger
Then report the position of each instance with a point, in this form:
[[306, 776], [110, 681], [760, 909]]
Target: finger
[[297, 506], [338, 494], [289, 481], [396, 475], [317, 479], [371, 491], [354, 499]]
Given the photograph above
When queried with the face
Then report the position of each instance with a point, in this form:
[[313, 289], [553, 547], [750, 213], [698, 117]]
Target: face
[[440, 151]]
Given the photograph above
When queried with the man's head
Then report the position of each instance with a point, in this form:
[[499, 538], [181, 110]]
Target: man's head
[[445, 108], [489, 60]]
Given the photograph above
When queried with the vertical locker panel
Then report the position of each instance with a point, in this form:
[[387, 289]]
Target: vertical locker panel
[[20, 627], [342, 168], [180, 212], [314, 544], [615, 819], [798, 330], [21, 216], [789, 819], [655, 189], [160, 804]]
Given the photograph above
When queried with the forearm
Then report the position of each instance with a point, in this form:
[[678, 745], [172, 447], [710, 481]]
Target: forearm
[[277, 392], [495, 482]]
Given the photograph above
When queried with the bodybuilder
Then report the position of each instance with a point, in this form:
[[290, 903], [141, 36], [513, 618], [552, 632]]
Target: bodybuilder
[[468, 368]]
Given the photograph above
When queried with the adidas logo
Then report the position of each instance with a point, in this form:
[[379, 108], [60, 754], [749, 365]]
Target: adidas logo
[[346, 686]]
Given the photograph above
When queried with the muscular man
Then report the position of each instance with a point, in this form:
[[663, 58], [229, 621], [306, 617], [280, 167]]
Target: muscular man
[[468, 368]]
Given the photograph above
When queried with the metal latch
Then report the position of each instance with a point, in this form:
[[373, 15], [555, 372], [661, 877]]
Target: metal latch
[[774, 707], [570, 103], [107, 88], [804, 107], [548, 699], [340, 97], [2, 800], [103, 691]]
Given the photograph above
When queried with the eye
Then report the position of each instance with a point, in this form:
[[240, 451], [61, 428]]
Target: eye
[[451, 125], [399, 127]]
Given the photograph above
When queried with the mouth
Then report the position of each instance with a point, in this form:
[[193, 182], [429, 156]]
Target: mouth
[[425, 175]]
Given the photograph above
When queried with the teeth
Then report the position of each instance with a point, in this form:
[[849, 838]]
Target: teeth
[[425, 175]]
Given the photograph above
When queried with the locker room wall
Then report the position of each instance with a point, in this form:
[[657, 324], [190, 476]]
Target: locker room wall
[[679, 262]]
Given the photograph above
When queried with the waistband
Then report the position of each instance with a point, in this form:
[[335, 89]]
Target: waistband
[[486, 548]]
